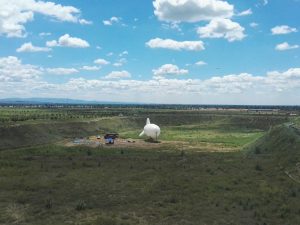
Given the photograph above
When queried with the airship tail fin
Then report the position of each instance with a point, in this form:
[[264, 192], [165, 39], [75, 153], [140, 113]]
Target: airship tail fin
[[141, 134], [147, 121]]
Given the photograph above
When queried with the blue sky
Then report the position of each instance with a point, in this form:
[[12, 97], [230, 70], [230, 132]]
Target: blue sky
[[161, 51]]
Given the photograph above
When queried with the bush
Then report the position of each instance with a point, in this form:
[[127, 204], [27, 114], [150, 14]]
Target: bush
[[258, 167], [89, 152], [48, 203], [257, 150], [81, 205]]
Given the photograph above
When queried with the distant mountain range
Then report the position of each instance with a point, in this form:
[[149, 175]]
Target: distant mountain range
[[52, 101]]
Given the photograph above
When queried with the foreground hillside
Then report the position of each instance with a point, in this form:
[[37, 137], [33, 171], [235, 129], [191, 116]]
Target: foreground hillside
[[80, 185]]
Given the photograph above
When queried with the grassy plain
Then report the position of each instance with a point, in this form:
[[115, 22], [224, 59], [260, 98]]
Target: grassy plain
[[52, 184]]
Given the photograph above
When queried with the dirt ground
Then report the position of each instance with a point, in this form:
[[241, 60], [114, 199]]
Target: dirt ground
[[94, 142]]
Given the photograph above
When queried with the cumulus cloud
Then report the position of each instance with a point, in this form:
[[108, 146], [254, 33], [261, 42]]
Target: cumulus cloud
[[289, 74], [68, 41], [234, 85], [14, 14], [85, 22], [169, 69], [245, 13], [28, 47], [91, 68], [172, 26], [111, 21], [285, 46], [13, 70], [176, 45], [192, 10], [118, 75], [222, 28], [276, 87], [120, 62], [61, 71], [253, 24], [124, 53], [101, 61], [283, 29], [200, 63]]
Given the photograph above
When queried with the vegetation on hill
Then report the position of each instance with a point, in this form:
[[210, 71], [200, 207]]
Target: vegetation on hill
[[27, 127], [281, 143], [51, 184]]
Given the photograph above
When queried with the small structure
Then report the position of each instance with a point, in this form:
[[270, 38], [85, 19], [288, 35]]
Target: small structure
[[110, 138]]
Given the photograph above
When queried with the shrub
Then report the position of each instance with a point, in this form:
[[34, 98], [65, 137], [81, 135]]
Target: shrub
[[89, 152], [258, 167], [257, 150], [81, 205], [48, 203]]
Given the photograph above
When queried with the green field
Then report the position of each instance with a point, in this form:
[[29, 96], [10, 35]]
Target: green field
[[223, 168]]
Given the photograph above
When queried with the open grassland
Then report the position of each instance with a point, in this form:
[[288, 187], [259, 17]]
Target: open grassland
[[58, 185], [214, 135], [245, 172]]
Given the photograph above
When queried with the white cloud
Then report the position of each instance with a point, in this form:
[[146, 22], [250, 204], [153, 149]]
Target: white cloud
[[61, 71], [13, 70], [191, 10], [285, 46], [245, 13], [91, 68], [176, 45], [245, 87], [222, 28], [118, 75], [117, 64], [253, 24], [200, 63], [120, 62], [42, 34], [169, 69], [172, 26], [14, 14], [28, 47], [101, 61], [289, 74], [52, 43], [85, 22], [123, 53], [68, 41], [283, 29], [111, 21], [276, 87]]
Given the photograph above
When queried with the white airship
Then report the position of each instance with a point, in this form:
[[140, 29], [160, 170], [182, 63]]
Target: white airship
[[151, 130]]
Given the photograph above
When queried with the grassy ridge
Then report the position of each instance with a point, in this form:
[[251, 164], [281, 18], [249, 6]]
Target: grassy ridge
[[57, 185], [281, 143]]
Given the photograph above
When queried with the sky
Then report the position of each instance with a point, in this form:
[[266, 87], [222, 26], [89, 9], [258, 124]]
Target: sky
[[152, 51]]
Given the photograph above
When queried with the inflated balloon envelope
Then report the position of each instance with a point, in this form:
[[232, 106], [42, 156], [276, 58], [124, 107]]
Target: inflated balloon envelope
[[151, 130]]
